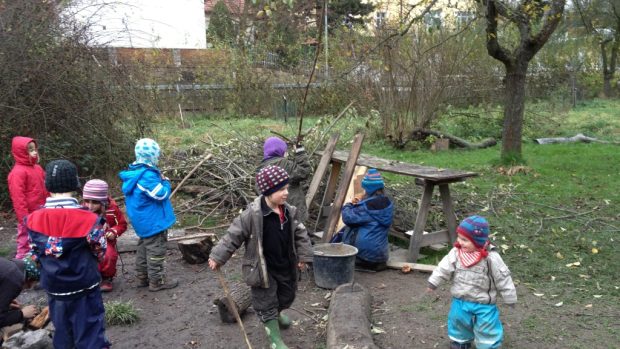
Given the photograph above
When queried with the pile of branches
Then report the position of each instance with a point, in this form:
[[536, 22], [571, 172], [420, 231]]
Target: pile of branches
[[221, 185]]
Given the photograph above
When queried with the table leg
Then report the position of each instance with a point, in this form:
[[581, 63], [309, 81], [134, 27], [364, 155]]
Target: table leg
[[420, 222], [448, 211]]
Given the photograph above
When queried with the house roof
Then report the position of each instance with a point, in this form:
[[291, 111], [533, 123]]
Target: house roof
[[234, 6]]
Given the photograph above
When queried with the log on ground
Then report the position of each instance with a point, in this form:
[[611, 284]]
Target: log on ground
[[349, 318], [196, 251], [241, 296]]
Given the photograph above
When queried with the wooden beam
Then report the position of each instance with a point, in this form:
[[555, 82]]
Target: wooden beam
[[448, 211], [321, 168], [420, 222], [344, 184], [353, 191], [427, 268], [433, 238]]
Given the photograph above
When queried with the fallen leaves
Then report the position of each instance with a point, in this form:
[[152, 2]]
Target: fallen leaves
[[513, 170], [574, 264]]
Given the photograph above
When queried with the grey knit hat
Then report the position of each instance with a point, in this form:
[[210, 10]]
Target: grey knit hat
[[61, 177]]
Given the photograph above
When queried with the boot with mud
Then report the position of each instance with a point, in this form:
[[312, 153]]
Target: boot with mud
[[272, 327], [284, 321], [457, 345], [163, 284]]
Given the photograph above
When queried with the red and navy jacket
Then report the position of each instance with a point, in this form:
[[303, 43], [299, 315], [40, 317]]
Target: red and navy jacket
[[68, 241]]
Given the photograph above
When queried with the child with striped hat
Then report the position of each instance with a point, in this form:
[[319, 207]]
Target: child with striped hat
[[96, 197]]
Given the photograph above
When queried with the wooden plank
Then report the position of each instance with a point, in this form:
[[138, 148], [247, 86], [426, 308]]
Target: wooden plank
[[433, 238], [321, 168], [448, 211], [354, 187], [425, 172], [344, 183], [332, 183], [427, 268], [420, 222]]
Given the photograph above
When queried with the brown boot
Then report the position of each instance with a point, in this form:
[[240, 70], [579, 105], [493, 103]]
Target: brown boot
[[142, 281], [163, 284]]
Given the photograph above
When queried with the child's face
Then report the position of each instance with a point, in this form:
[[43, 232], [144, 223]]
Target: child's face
[[93, 205], [32, 150], [279, 197], [466, 244]]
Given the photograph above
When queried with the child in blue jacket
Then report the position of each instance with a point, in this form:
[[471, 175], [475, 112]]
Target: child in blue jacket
[[368, 221], [147, 200]]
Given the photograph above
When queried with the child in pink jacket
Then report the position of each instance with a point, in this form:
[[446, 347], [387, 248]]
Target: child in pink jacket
[[26, 187]]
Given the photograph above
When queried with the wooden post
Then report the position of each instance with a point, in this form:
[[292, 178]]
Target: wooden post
[[334, 215], [321, 168], [420, 222]]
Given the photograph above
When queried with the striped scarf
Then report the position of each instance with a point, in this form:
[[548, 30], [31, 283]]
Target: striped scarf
[[469, 259]]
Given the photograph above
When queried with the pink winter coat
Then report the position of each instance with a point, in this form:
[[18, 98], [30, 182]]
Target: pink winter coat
[[26, 180]]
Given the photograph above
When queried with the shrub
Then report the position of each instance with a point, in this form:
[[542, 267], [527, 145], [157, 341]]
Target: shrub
[[120, 313]]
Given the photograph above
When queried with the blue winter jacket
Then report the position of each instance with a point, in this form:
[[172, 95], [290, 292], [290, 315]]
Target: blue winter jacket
[[147, 199], [369, 220]]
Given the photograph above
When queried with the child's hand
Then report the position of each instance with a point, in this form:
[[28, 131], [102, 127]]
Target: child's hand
[[213, 264], [355, 200], [29, 311], [302, 266], [15, 304], [110, 236], [429, 290]]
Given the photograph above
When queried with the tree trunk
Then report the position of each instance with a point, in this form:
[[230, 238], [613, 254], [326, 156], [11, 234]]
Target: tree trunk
[[513, 111], [196, 251], [242, 297]]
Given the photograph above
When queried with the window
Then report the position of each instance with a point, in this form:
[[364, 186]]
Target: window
[[463, 18], [380, 19], [432, 19]]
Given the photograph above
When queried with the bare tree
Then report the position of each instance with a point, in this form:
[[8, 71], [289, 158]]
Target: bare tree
[[602, 19], [534, 21]]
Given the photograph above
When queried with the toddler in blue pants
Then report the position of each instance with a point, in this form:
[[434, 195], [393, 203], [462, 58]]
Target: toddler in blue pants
[[478, 273]]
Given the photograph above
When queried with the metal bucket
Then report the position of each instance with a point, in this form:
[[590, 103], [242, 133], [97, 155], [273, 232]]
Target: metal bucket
[[334, 264]]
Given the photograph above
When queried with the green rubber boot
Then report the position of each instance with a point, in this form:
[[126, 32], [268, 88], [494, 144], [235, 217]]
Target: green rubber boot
[[272, 327], [284, 321]]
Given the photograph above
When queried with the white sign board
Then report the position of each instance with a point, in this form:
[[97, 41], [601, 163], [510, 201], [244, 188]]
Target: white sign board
[[142, 23]]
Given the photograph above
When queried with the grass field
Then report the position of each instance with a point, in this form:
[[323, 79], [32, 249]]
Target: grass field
[[557, 225]]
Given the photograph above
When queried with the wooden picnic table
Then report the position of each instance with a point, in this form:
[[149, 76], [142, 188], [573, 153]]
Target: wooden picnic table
[[427, 176]]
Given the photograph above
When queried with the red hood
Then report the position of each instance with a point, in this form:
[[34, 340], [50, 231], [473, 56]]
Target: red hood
[[19, 149]]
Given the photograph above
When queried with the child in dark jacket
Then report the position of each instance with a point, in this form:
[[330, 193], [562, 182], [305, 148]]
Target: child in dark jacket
[[98, 201], [15, 276], [368, 222], [478, 274], [298, 169], [147, 200], [276, 245], [26, 187], [68, 242]]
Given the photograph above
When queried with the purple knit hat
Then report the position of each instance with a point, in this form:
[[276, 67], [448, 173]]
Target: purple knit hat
[[270, 179], [274, 147], [96, 189]]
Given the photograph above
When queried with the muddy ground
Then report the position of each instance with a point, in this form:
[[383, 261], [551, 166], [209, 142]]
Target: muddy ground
[[403, 315]]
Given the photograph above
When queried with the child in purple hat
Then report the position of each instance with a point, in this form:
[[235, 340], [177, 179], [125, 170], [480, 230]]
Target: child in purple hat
[[298, 169]]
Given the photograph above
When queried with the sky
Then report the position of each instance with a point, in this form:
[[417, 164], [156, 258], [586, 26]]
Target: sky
[[143, 23]]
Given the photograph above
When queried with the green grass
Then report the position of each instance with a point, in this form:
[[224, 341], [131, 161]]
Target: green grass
[[120, 313], [6, 251]]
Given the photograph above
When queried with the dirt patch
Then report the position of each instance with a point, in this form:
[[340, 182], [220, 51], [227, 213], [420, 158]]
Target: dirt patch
[[404, 315]]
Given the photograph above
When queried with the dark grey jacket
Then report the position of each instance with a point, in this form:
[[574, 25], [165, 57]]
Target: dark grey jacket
[[248, 229], [299, 171], [11, 283]]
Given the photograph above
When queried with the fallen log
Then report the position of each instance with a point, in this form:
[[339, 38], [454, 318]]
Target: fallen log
[[580, 137], [196, 251], [241, 296], [422, 133], [426, 268], [349, 318]]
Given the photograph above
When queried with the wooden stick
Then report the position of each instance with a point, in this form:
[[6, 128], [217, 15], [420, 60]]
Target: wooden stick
[[190, 173], [233, 306], [192, 236]]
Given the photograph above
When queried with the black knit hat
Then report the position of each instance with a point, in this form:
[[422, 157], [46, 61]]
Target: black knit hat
[[61, 177], [270, 179]]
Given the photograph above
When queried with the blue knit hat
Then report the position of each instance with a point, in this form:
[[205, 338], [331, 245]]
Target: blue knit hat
[[372, 181], [476, 229], [147, 152]]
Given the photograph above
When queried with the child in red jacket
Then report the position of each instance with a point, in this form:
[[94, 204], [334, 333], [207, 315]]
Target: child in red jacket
[[26, 187], [96, 198]]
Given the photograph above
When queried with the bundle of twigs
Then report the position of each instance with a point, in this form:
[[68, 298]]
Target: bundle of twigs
[[221, 184]]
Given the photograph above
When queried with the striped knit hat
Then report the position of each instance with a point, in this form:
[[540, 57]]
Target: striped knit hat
[[147, 152], [372, 181], [96, 189], [270, 179], [476, 229]]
